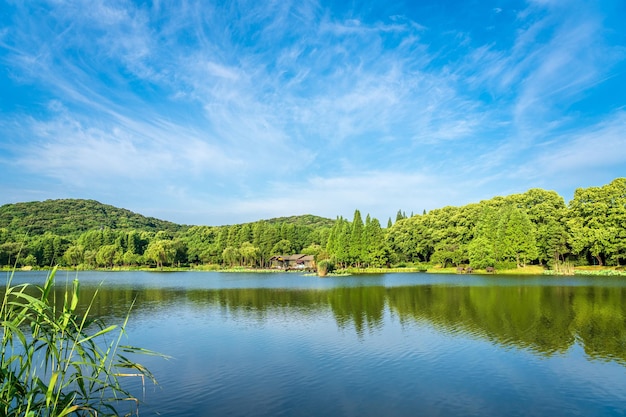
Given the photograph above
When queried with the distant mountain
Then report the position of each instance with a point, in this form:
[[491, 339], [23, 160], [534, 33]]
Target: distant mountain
[[71, 217]]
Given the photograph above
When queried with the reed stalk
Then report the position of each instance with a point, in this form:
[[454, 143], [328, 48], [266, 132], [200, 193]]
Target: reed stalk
[[55, 361]]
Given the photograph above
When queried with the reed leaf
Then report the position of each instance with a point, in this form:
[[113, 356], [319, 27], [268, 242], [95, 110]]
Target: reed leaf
[[50, 391], [56, 362], [98, 334]]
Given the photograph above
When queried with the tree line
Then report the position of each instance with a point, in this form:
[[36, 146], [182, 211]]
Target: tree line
[[535, 227]]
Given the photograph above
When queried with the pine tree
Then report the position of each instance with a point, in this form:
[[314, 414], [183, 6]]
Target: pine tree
[[356, 240], [376, 253]]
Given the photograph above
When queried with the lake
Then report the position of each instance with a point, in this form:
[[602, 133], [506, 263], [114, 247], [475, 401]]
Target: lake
[[245, 344]]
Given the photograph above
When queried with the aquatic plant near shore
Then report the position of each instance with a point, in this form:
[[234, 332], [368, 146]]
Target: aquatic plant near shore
[[57, 362], [324, 267]]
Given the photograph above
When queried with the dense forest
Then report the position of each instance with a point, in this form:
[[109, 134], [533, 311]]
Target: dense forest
[[536, 227]]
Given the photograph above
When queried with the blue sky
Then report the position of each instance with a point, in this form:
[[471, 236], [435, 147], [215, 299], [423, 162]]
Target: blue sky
[[204, 112]]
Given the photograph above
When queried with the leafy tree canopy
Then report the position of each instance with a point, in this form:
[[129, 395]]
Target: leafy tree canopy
[[72, 217]]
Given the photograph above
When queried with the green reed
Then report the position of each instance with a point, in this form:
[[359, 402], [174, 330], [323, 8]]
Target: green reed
[[55, 361]]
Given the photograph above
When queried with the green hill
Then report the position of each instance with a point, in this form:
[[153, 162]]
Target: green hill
[[304, 220], [70, 217]]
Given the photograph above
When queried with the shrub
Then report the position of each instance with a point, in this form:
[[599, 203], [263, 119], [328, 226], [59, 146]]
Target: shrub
[[324, 267], [504, 265]]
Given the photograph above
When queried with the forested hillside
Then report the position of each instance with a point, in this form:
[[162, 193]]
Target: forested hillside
[[90, 234], [71, 217], [536, 227], [303, 220]]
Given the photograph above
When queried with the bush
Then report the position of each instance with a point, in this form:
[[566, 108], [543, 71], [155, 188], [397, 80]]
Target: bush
[[503, 265], [324, 267]]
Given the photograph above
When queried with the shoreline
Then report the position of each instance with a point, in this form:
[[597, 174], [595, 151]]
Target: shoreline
[[532, 270]]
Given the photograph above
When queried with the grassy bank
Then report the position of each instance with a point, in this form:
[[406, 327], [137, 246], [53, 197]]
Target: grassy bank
[[527, 270]]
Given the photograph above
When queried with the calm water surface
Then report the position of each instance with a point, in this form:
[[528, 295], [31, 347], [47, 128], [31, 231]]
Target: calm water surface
[[375, 345]]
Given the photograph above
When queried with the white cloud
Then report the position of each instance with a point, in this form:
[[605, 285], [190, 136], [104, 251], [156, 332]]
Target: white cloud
[[380, 194], [254, 98], [222, 71], [597, 147], [80, 155]]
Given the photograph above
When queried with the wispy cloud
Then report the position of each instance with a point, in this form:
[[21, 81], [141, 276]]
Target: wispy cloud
[[226, 103], [596, 148], [331, 196], [70, 151]]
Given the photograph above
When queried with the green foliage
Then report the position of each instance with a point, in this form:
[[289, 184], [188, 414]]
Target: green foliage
[[72, 217], [74, 255], [30, 260], [535, 227], [289, 235], [161, 252], [303, 220], [356, 252], [481, 253], [282, 247], [106, 255], [597, 219], [516, 236], [357, 244], [313, 249], [249, 254], [231, 256], [546, 211], [55, 361], [400, 215], [376, 250], [325, 267]]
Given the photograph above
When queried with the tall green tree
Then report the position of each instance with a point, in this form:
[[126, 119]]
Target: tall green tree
[[547, 212], [231, 256], [400, 215], [244, 235], [282, 247], [376, 251], [74, 255], [233, 233], [450, 232], [91, 240], [485, 249], [596, 220], [481, 252], [106, 255], [516, 236], [338, 245], [161, 252], [249, 254], [410, 240], [9, 253], [356, 246]]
